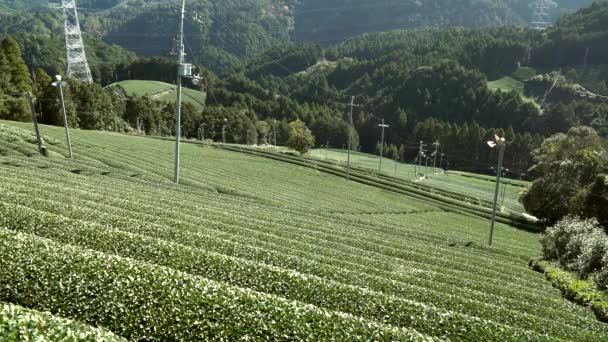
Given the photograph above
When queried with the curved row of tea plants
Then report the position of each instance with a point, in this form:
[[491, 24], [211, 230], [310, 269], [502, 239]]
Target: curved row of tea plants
[[380, 264], [141, 301], [20, 324], [143, 215]]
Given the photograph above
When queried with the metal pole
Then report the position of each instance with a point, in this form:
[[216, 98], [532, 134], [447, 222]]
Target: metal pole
[[435, 155], [65, 120], [350, 136], [178, 114], [501, 154], [420, 153], [396, 162], [224, 134], [382, 145], [35, 119]]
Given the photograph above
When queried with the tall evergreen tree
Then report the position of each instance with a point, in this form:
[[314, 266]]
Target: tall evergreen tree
[[15, 81]]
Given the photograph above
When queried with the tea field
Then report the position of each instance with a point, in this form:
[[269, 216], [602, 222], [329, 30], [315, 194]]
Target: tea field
[[250, 248], [477, 187]]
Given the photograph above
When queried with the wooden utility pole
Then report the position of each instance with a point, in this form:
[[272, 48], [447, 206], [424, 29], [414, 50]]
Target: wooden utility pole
[[35, 120], [383, 126]]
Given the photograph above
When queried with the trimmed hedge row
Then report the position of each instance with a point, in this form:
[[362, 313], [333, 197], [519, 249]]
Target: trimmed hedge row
[[382, 259], [222, 245], [20, 324], [445, 203], [582, 292], [290, 284], [308, 288], [140, 301]]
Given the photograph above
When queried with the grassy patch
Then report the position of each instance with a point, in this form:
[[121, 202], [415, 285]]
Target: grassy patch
[[157, 90]]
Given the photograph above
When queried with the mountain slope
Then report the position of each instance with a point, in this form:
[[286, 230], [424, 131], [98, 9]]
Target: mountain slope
[[223, 33], [251, 248], [336, 20]]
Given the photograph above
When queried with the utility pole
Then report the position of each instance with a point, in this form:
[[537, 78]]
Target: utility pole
[[396, 163], [426, 166], [182, 70], [501, 143], [420, 156], [383, 126], [202, 131], [274, 135], [436, 143], [60, 84], [350, 137], [35, 119], [441, 160], [224, 131]]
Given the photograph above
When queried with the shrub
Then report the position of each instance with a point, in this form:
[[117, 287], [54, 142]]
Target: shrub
[[593, 249], [601, 277], [563, 241], [300, 137]]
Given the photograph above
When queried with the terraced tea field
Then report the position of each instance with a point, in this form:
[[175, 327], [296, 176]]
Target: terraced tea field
[[251, 248], [157, 90], [478, 187]]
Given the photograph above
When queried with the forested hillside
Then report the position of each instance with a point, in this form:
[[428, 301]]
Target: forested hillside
[[336, 20], [41, 37], [427, 84], [430, 84], [221, 34]]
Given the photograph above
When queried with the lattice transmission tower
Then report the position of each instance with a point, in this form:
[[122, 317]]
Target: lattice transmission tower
[[77, 65], [541, 14]]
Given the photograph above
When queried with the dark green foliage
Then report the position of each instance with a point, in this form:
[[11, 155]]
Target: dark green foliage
[[569, 39], [567, 166], [48, 107], [222, 32], [263, 132], [40, 35], [336, 20], [596, 201], [14, 82]]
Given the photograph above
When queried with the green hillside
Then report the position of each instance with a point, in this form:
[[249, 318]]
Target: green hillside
[[250, 248], [157, 90], [476, 188], [507, 84], [225, 33], [336, 20]]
